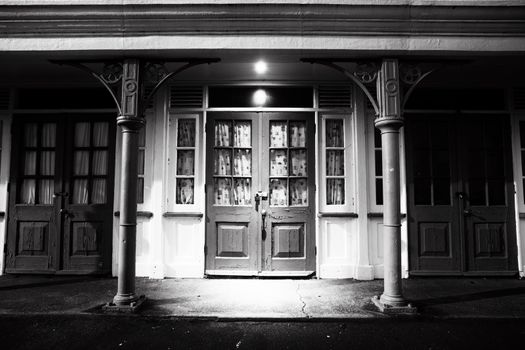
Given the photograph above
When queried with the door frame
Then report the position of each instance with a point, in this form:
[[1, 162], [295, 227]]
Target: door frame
[[459, 181], [62, 152], [208, 166]]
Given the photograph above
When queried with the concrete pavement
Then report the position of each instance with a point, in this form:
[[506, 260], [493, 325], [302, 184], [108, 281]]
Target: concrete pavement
[[264, 299]]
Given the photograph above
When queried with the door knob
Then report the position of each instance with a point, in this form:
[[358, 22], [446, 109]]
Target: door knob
[[467, 212]]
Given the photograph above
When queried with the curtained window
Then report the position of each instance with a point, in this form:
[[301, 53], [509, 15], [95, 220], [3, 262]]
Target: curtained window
[[90, 163], [185, 170], [38, 172], [335, 161]]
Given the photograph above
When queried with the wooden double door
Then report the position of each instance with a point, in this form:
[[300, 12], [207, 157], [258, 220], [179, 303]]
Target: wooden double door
[[61, 194], [260, 188], [460, 195]]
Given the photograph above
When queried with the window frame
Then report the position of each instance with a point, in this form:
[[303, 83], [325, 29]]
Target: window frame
[[349, 168], [198, 192]]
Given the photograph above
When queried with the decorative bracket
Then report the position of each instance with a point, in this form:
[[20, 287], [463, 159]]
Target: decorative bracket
[[110, 74], [365, 73]]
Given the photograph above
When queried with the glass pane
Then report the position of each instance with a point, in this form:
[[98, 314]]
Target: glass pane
[[522, 134], [48, 135], [222, 164], [223, 133], [81, 160], [100, 163], [30, 163], [142, 137], [186, 133], [242, 162], [476, 163], [242, 134], [496, 192], [335, 163], [298, 158], [98, 192], [278, 192], [80, 191], [442, 191], [184, 194], [297, 134], [221, 190], [439, 134], [186, 162], [495, 164], [422, 191], [377, 138], [440, 163], [420, 134], [46, 191], [47, 163], [378, 159], [27, 192], [477, 192], [298, 192], [100, 134], [335, 191], [379, 191], [278, 134], [140, 168], [30, 135], [494, 134], [242, 192], [140, 190], [278, 163], [82, 135], [334, 133], [421, 163]]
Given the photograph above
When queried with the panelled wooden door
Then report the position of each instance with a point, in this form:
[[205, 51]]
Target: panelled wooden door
[[61, 194], [260, 187], [460, 195]]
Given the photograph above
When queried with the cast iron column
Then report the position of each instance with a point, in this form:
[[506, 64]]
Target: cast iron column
[[130, 121], [389, 122]]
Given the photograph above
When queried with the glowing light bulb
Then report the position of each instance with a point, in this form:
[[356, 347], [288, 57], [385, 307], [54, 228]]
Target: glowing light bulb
[[260, 97], [260, 67]]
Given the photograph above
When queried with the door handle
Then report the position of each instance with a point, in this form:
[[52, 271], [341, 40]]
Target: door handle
[[263, 227], [467, 212], [66, 213], [258, 196]]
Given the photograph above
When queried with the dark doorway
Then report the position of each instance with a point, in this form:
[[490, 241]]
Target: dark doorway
[[460, 195]]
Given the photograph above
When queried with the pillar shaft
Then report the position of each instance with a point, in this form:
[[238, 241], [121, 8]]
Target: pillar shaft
[[389, 122], [130, 122]]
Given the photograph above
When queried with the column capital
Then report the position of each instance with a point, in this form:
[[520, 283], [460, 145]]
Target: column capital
[[131, 124], [389, 95]]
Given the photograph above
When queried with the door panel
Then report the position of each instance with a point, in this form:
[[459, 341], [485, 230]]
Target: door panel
[[290, 178], [488, 206], [232, 237], [33, 226], [49, 231], [260, 192], [460, 195], [87, 211]]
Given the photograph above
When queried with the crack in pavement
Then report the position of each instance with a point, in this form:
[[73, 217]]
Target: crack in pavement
[[302, 301]]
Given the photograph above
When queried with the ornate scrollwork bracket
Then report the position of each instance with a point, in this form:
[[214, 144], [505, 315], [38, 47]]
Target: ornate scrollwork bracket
[[109, 73], [365, 74]]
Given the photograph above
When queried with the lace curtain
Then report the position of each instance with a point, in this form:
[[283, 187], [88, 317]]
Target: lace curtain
[[46, 167]]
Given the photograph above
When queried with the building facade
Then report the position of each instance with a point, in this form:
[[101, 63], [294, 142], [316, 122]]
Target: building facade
[[262, 157]]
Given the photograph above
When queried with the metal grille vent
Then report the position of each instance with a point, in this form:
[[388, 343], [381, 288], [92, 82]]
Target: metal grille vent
[[4, 98], [518, 98], [331, 96], [186, 97]]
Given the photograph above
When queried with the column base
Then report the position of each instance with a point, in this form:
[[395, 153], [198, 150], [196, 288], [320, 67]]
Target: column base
[[120, 307], [403, 309]]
